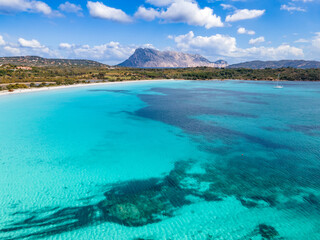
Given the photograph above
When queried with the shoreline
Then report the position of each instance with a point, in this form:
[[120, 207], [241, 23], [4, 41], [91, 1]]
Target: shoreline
[[31, 90]]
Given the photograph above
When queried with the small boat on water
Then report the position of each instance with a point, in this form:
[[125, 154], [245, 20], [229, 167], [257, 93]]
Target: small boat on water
[[278, 86]]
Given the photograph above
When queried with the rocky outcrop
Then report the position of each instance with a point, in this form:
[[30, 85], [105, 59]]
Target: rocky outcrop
[[151, 58]]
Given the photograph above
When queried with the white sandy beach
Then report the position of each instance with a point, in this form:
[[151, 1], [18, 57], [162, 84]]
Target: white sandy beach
[[30, 90]]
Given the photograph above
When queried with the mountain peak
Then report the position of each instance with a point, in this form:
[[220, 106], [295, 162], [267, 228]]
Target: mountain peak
[[152, 58]]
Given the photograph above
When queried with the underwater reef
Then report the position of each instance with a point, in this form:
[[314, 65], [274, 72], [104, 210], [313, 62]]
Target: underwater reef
[[141, 202]]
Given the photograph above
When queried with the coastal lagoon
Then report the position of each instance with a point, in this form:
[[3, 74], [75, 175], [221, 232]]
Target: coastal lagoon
[[162, 160]]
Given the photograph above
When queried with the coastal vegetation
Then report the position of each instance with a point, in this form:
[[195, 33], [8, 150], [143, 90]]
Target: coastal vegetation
[[13, 77]]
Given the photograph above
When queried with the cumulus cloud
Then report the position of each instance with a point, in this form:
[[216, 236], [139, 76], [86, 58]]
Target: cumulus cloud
[[174, 11], [275, 53], [190, 12], [146, 14], [181, 11], [2, 42], [217, 44], [66, 46], [70, 8], [41, 7], [160, 3], [14, 6], [227, 6], [34, 45], [316, 41], [244, 14], [12, 50], [111, 53], [226, 46], [292, 8], [112, 50], [256, 40], [99, 10], [25, 47], [242, 30], [29, 43], [302, 40], [305, 1]]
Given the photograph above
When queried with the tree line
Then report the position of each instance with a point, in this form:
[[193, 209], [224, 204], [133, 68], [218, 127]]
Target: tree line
[[11, 77]]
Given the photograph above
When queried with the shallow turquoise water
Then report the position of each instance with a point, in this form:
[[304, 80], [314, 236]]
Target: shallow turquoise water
[[162, 160]]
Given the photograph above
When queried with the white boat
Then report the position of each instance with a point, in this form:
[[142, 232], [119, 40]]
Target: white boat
[[278, 86]]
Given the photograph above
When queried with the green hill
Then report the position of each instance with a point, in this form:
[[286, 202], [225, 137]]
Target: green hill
[[34, 61], [302, 64]]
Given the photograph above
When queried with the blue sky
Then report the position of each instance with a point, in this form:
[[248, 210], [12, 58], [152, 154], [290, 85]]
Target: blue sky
[[110, 30]]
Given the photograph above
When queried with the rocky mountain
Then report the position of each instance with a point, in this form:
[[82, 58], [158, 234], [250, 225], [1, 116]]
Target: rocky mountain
[[151, 58], [277, 64], [34, 61]]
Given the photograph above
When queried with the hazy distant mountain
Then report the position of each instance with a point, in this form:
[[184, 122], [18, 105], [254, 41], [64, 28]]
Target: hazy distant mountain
[[277, 64], [35, 61], [151, 58]]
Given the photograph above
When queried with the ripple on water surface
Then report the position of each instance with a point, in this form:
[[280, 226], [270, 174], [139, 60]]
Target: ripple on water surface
[[161, 160]]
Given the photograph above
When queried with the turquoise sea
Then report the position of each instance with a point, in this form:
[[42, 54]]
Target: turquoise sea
[[162, 160]]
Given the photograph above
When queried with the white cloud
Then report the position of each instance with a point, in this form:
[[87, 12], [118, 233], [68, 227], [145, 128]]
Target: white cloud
[[146, 14], [227, 6], [243, 14], [256, 40], [99, 10], [311, 46], [160, 3], [34, 45], [292, 8], [303, 1], [226, 47], [189, 12], [175, 11], [217, 44], [214, 46], [25, 47], [12, 50], [66, 46], [149, 45], [180, 11], [2, 42], [14, 6], [302, 40], [242, 30], [104, 51], [29, 43], [70, 8], [41, 7], [283, 51], [111, 53], [316, 41]]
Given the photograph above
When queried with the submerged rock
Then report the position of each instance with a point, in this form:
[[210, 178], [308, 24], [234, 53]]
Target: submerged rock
[[135, 209], [267, 232], [312, 199], [211, 197], [126, 211], [248, 203], [141, 202]]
